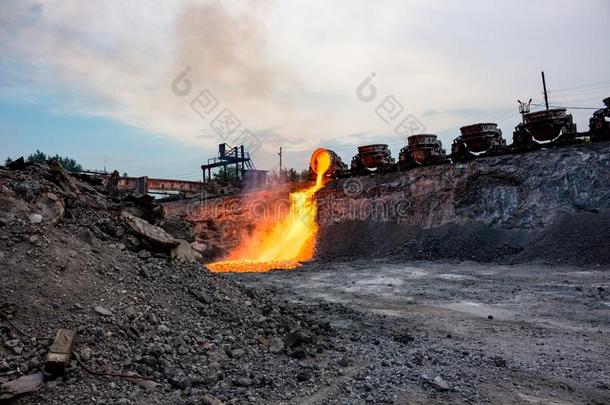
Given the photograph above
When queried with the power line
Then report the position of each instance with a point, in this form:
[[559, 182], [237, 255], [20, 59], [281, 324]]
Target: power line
[[576, 108], [590, 88], [575, 100], [584, 92], [582, 86]]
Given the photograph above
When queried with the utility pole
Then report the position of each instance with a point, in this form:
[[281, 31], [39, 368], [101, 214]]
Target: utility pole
[[280, 155], [546, 96]]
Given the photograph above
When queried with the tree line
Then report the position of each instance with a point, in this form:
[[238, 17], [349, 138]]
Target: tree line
[[291, 175], [39, 157], [70, 164]]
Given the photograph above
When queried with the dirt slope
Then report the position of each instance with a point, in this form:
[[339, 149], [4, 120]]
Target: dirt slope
[[64, 264]]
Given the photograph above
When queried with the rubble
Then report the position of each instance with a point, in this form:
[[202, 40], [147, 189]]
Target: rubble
[[115, 270], [106, 272]]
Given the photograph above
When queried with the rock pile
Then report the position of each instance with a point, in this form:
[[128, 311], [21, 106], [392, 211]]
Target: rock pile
[[45, 195], [72, 256]]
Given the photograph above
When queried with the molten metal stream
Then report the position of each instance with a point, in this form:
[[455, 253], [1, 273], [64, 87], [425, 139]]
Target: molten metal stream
[[289, 241]]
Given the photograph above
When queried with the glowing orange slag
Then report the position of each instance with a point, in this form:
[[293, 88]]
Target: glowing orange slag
[[290, 240]]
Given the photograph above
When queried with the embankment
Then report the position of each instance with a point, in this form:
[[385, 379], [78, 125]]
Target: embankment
[[549, 205]]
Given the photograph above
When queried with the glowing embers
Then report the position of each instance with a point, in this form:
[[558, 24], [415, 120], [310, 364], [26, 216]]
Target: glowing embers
[[286, 243], [251, 266]]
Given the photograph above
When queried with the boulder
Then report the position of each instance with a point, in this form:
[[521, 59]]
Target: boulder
[[199, 246], [157, 236], [179, 228], [276, 345], [296, 337], [210, 400], [37, 207], [11, 205], [35, 218], [62, 178], [17, 164], [102, 311], [50, 206], [112, 184], [22, 385], [440, 384], [184, 251]]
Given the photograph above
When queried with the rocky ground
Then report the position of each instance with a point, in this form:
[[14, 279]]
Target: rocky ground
[[70, 257], [347, 328], [431, 332]]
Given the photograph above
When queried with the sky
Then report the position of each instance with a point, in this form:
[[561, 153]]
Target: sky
[[152, 88]]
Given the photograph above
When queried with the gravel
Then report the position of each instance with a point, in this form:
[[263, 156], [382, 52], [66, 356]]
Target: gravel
[[293, 337], [201, 337]]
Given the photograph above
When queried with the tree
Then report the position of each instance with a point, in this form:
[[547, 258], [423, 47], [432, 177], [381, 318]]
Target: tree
[[68, 163], [288, 175], [8, 161], [304, 176], [230, 174], [37, 157], [292, 175]]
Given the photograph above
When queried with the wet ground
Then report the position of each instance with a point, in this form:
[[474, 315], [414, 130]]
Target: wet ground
[[496, 334]]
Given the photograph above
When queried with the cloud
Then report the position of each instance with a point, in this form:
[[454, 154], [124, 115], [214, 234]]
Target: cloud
[[121, 65], [224, 47], [289, 70]]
